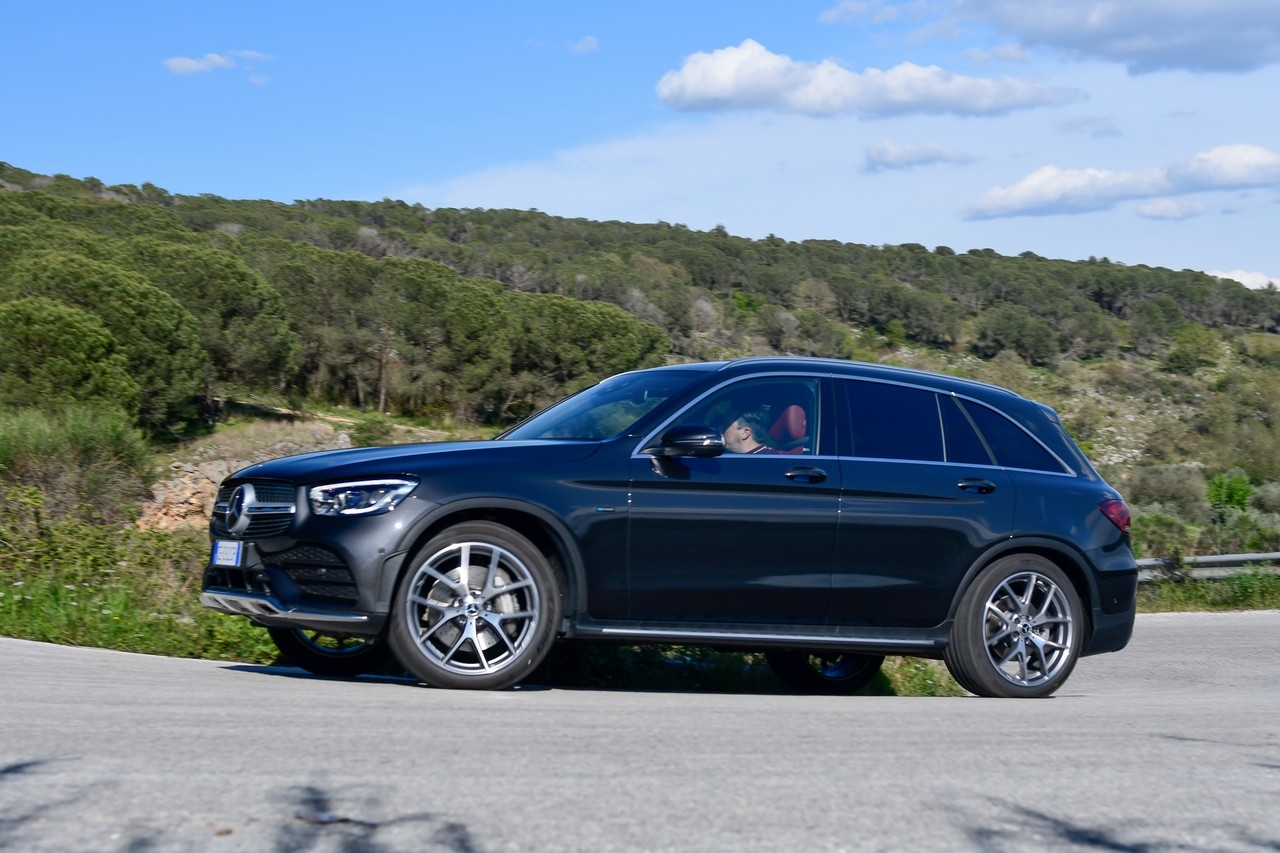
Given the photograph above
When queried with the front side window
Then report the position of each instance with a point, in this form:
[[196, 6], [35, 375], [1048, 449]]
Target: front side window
[[762, 415]]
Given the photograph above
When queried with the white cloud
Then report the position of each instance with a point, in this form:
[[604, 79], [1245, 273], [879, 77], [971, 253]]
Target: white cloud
[[208, 62], [885, 155], [1254, 280], [216, 61], [1144, 35], [1229, 166], [1169, 208], [1051, 190], [590, 44], [750, 76]]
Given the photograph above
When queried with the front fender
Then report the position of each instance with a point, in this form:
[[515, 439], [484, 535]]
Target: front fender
[[518, 514]]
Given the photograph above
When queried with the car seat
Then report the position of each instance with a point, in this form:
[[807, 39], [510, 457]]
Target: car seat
[[790, 432]]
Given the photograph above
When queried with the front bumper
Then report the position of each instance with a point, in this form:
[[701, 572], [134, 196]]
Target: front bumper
[[300, 586], [269, 611]]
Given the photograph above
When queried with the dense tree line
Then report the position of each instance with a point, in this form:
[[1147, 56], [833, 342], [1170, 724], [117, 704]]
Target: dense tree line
[[160, 305], [107, 298]]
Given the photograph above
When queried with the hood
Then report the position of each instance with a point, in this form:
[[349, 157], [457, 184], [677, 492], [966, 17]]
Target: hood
[[401, 459]]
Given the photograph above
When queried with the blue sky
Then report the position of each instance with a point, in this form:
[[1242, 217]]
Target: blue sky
[[1144, 131]]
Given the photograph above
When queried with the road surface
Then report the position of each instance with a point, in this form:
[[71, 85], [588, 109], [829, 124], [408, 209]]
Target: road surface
[[1171, 744]]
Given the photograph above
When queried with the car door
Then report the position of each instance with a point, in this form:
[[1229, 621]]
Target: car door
[[921, 500], [740, 537]]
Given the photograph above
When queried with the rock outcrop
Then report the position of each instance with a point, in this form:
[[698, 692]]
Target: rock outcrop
[[183, 497]]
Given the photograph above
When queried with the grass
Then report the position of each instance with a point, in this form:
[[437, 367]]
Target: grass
[[79, 582], [1253, 588]]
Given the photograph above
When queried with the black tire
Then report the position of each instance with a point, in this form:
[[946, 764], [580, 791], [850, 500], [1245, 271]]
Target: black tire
[[477, 608], [823, 672], [1018, 630], [333, 655]]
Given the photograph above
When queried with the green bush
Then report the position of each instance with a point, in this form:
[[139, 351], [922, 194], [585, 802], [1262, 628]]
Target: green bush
[[1179, 489], [1228, 491], [371, 430], [1159, 534], [53, 354], [81, 459]]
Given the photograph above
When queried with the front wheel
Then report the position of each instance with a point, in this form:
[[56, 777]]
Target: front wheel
[[477, 608], [333, 655], [823, 673], [1018, 629]]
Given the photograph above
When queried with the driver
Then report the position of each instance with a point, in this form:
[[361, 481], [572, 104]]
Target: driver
[[745, 433]]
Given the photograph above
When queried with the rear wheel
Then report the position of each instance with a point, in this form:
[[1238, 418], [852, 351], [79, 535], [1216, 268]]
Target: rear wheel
[[1018, 629], [334, 655], [477, 608], [826, 673]]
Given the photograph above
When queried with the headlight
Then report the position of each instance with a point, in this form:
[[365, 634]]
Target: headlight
[[366, 497]]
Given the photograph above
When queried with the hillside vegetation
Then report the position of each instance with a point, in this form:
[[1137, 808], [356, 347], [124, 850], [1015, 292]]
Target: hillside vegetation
[[155, 313]]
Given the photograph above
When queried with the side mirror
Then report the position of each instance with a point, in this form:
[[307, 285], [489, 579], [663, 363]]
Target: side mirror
[[689, 440]]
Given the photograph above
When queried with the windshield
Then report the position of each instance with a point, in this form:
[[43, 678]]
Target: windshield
[[606, 410]]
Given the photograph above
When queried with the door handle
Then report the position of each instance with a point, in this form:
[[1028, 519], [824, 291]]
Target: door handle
[[975, 484], [807, 474]]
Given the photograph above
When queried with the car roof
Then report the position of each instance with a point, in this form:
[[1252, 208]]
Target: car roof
[[866, 369]]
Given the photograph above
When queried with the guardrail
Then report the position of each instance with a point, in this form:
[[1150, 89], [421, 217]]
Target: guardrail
[[1214, 566]]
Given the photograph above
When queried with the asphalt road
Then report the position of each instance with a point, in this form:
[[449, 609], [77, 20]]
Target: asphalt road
[[1172, 744]]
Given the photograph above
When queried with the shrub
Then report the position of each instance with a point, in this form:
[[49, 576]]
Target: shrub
[[1179, 489], [81, 459], [1266, 498], [1158, 534]]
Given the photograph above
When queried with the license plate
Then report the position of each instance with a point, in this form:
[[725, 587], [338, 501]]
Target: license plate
[[227, 553]]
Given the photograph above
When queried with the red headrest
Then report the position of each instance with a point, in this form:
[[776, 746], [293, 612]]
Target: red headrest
[[791, 425]]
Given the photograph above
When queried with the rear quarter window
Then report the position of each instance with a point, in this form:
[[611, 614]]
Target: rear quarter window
[[1013, 447]]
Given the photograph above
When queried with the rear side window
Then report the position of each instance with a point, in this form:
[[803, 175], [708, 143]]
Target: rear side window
[[1012, 446], [893, 422]]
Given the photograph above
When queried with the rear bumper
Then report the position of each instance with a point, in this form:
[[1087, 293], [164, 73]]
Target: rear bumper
[[1113, 618]]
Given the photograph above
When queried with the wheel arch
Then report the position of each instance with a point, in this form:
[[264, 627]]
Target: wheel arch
[[1061, 555], [534, 523]]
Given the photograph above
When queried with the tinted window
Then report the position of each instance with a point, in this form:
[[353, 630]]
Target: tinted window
[[964, 445], [783, 411], [893, 422], [1012, 446]]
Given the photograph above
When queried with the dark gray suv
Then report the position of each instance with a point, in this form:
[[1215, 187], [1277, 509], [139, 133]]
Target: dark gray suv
[[825, 512]]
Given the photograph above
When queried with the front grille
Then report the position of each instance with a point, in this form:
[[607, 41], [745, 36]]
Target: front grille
[[261, 524], [268, 491]]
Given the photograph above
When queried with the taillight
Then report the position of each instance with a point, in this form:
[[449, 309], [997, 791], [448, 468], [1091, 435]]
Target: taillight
[[1117, 512]]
